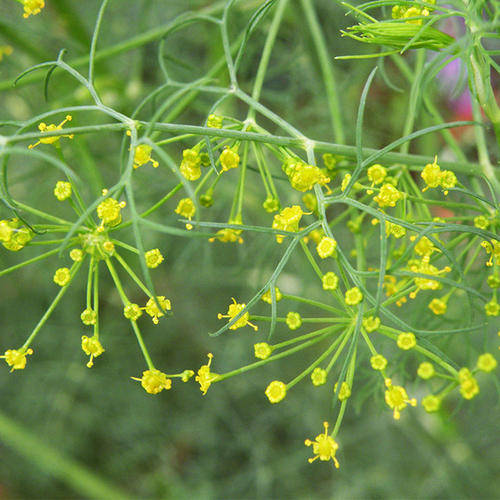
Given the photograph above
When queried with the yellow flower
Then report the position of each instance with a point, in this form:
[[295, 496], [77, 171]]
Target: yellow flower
[[324, 447], [406, 341], [153, 310], [397, 398], [76, 255], [395, 229], [132, 312], [44, 128], [154, 381], [287, 220], [142, 155], [468, 384], [378, 362], [62, 276], [376, 174], [388, 196], [345, 391], [293, 320], [486, 362], [492, 308], [431, 175], [431, 403], [326, 247], [271, 205], [371, 323], [5, 50], [345, 182], [153, 258], [233, 310], [353, 296], [448, 180], [330, 281], [318, 376], [262, 350], [17, 238], [438, 306], [266, 297], [205, 378], [186, 375], [304, 177], [329, 160], [32, 7], [91, 347], [214, 121], [187, 209], [16, 358], [109, 211], [88, 317], [276, 391], [5, 231], [481, 222], [190, 165], [62, 191], [228, 235], [426, 370], [229, 158], [424, 246]]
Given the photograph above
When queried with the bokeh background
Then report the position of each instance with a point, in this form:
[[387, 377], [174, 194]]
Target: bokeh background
[[64, 427]]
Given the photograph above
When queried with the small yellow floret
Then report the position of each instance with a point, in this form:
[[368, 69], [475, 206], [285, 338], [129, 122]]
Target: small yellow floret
[[378, 362], [438, 306], [330, 281], [388, 196], [406, 341], [153, 310], [44, 128], [190, 165], [154, 381], [431, 403], [293, 320], [233, 310], [88, 317], [353, 296], [32, 7], [276, 391], [492, 308], [262, 350], [62, 191], [486, 362], [326, 247], [214, 121], [132, 312], [5, 231], [287, 220], [187, 209], [76, 255], [205, 378], [318, 376], [371, 323], [109, 211], [153, 258], [426, 370], [91, 347], [397, 398], [142, 155], [376, 174], [16, 358], [431, 175], [324, 447], [229, 158], [345, 391], [266, 297], [62, 276], [468, 384]]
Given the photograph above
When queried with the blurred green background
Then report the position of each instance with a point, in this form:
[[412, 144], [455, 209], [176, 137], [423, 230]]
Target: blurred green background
[[60, 421]]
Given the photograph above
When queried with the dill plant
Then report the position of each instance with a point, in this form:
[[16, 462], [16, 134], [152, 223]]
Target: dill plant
[[360, 219]]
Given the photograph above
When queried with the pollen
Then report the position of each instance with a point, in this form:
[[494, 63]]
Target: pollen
[[153, 258], [276, 391], [62, 276], [16, 358], [62, 191], [233, 310], [44, 128], [154, 381], [324, 447]]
